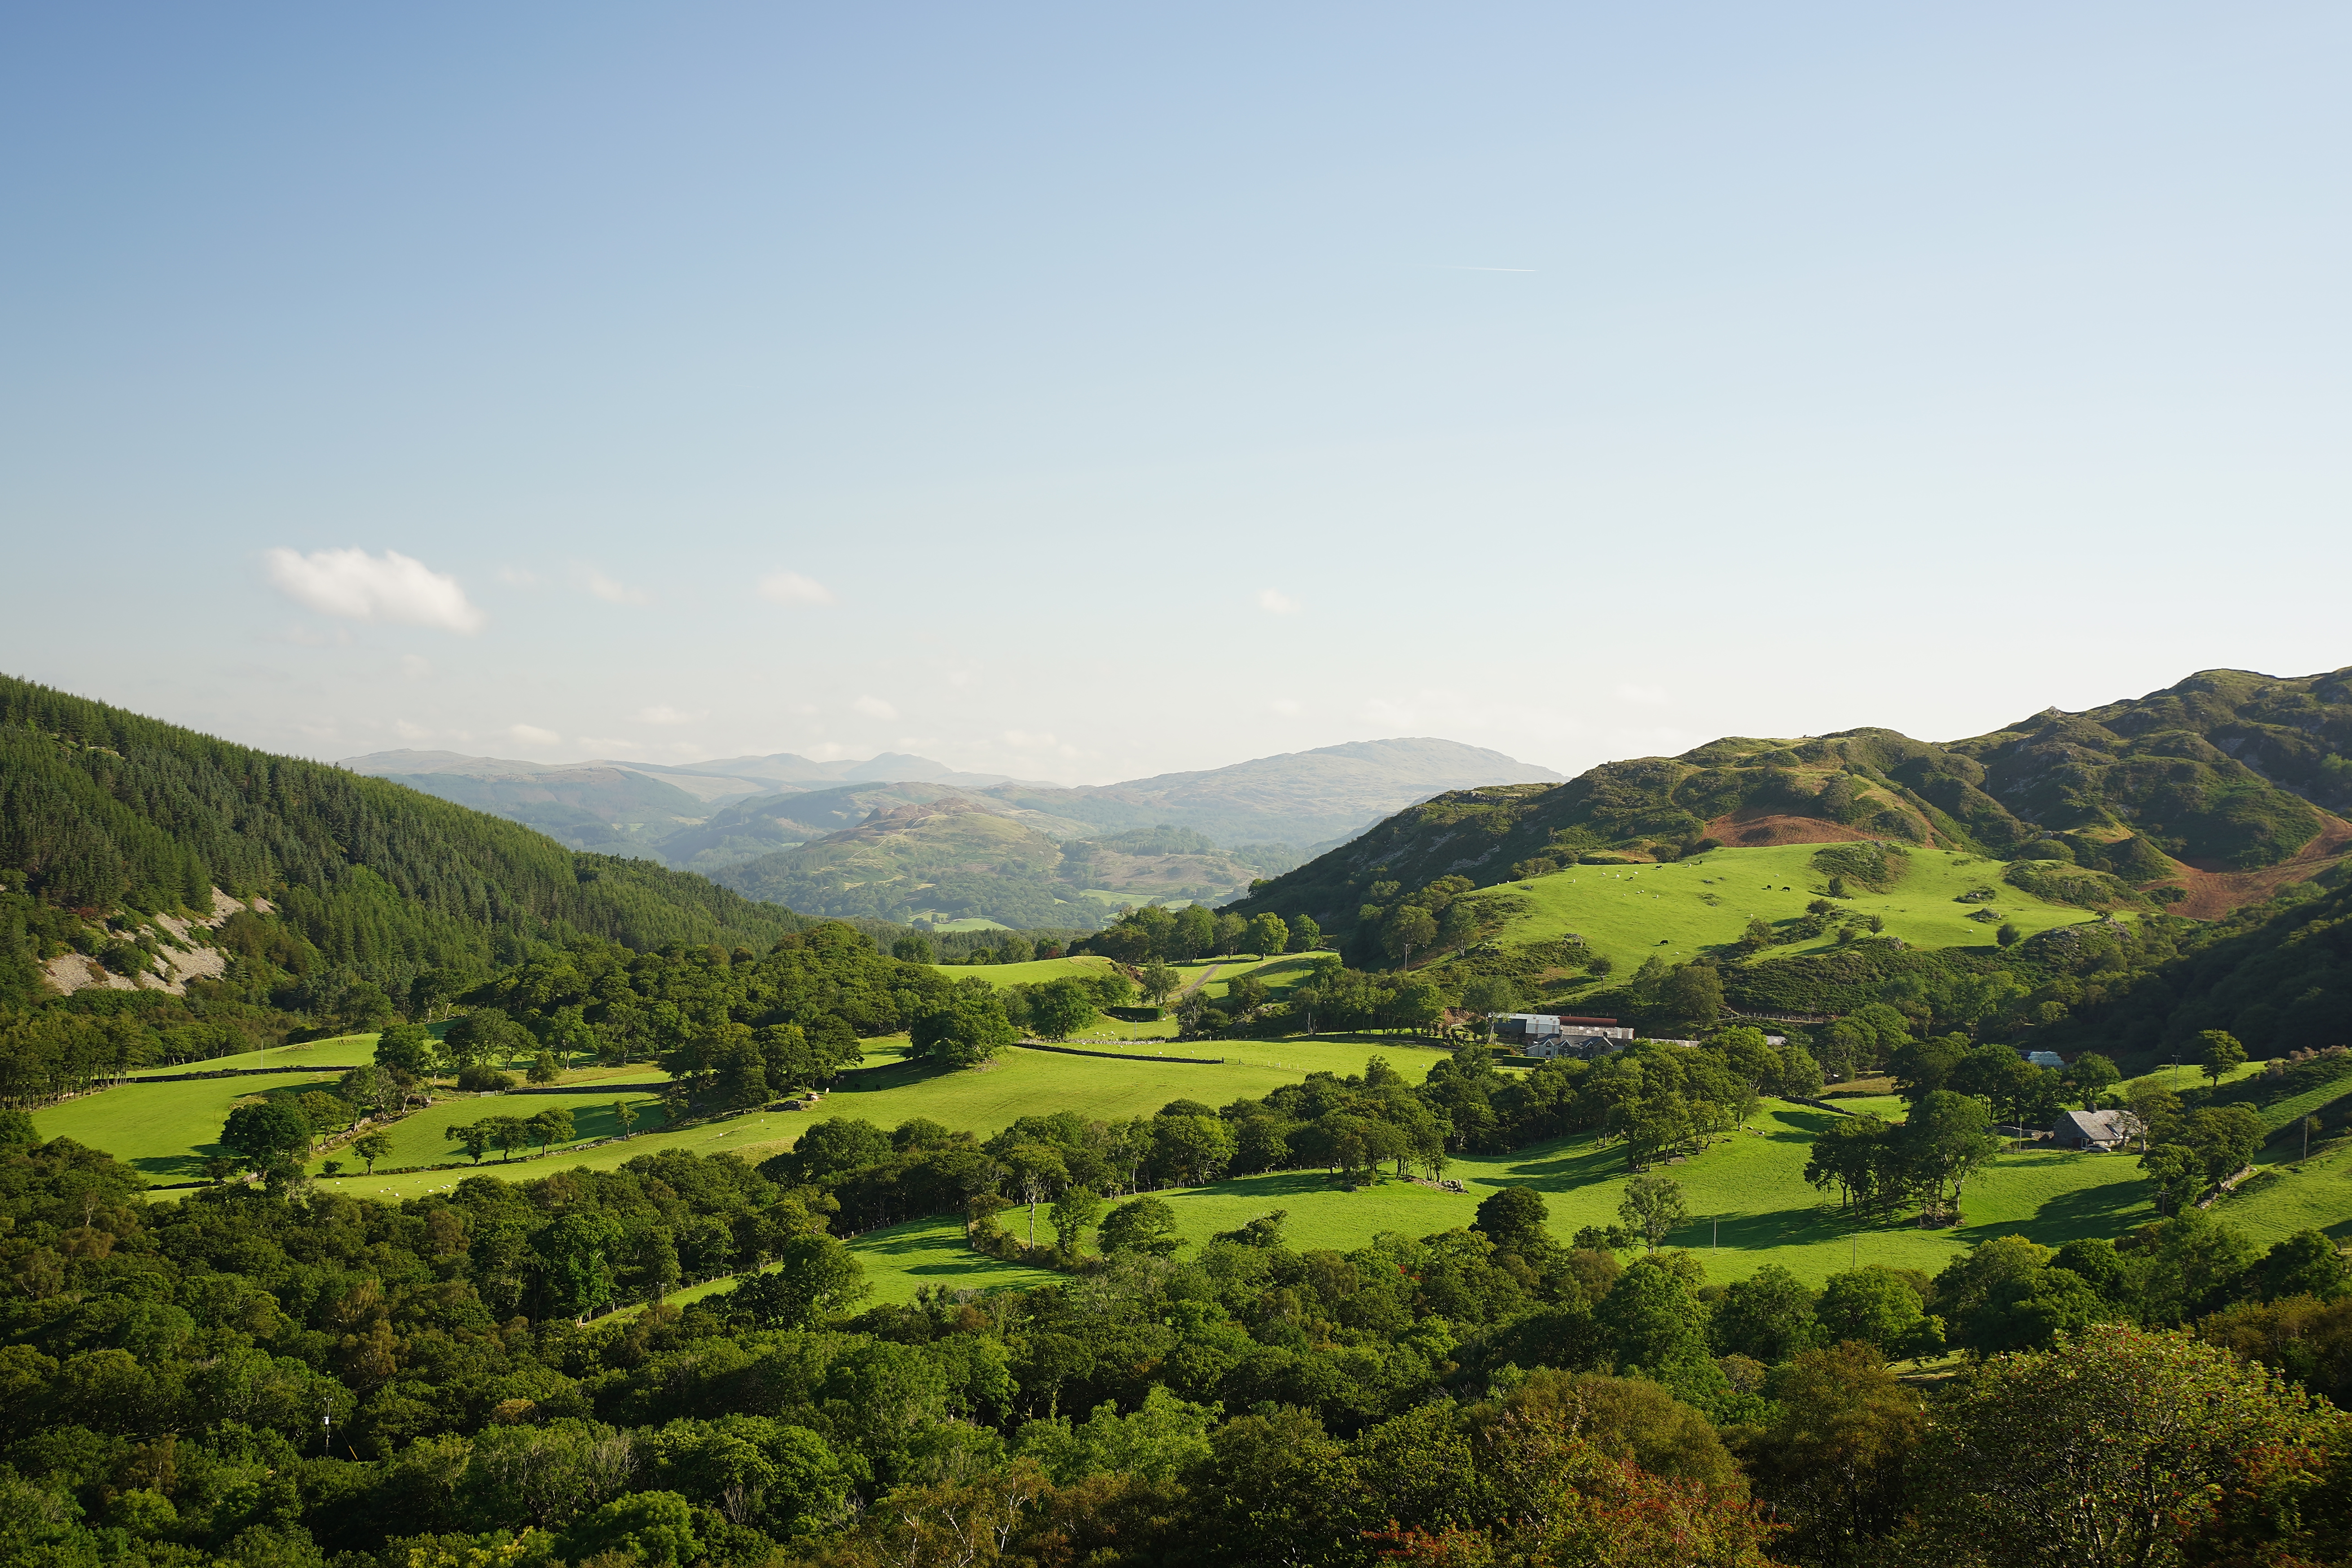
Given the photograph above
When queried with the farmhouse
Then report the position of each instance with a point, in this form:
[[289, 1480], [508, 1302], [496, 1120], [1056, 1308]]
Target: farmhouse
[[2101, 1130], [1563, 1033]]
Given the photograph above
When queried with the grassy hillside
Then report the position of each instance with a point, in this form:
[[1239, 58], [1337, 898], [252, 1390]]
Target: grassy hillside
[[2208, 795], [1677, 908]]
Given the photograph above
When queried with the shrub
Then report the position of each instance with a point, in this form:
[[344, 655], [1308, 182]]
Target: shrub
[[480, 1078]]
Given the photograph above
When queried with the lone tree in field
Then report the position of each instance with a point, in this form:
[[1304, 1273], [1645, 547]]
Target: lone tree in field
[[1654, 1206], [2220, 1052], [1072, 1214], [552, 1127], [1144, 1225], [1060, 1008], [1158, 982], [267, 1133], [371, 1147]]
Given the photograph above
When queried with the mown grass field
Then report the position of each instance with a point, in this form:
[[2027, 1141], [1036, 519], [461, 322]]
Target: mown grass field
[[1630, 912]]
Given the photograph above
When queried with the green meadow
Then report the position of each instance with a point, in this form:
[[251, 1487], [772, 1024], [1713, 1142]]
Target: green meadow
[[1677, 908], [1749, 1201], [343, 1051], [166, 1130]]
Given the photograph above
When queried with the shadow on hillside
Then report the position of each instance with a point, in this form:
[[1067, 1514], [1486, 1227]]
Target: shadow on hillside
[[187, 1167], [939, 1246], [895, 1074], [1279, 1184]]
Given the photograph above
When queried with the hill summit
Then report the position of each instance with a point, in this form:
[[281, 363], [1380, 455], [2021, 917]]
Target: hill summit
[[2202, 797]]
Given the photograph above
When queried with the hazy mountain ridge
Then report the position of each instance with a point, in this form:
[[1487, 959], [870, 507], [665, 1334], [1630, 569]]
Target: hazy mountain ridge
[[954, 858], [710, 815], [2201, 797]]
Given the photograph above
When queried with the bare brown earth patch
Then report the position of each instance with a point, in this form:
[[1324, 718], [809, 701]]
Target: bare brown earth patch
[[2213, 893], [1752, 829]]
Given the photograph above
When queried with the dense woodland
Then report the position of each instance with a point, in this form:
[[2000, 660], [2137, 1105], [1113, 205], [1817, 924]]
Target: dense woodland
[[276, 1375]]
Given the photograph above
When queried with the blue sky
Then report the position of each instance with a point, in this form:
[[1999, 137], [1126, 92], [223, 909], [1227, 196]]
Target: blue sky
[[1082, 393]]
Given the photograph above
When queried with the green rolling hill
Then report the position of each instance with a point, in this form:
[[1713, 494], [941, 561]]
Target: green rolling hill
[[2202, 797]]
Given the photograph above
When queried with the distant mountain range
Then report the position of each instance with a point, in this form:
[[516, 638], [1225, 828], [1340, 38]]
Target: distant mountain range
[[2199, 798], [898, 836]]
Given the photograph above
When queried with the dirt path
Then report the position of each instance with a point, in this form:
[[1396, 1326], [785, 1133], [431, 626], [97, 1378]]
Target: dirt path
[[1206, 975]]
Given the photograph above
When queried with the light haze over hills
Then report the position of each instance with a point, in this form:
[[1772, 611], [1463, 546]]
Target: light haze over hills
[[715, 814]]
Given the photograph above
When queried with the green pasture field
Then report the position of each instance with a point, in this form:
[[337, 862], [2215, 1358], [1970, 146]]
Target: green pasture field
[[167, 1131], [900, 1260], [1630, 912], [164, 1130], [754, 1137], [1753, 1185], [417, 1140], [2291, 1194], [345, 1051], [1025, 1082], [1280, 974], [1035, 971], [970, 922]]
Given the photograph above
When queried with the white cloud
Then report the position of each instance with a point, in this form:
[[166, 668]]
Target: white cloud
[[1640, 694], [532, 735], [362, 587], [1288, 707], [415, 666], [518, 577], [1275, 602], [874, 707], [663, 714], [408, 731], [600, 743], [791, 588], [612, 593]]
